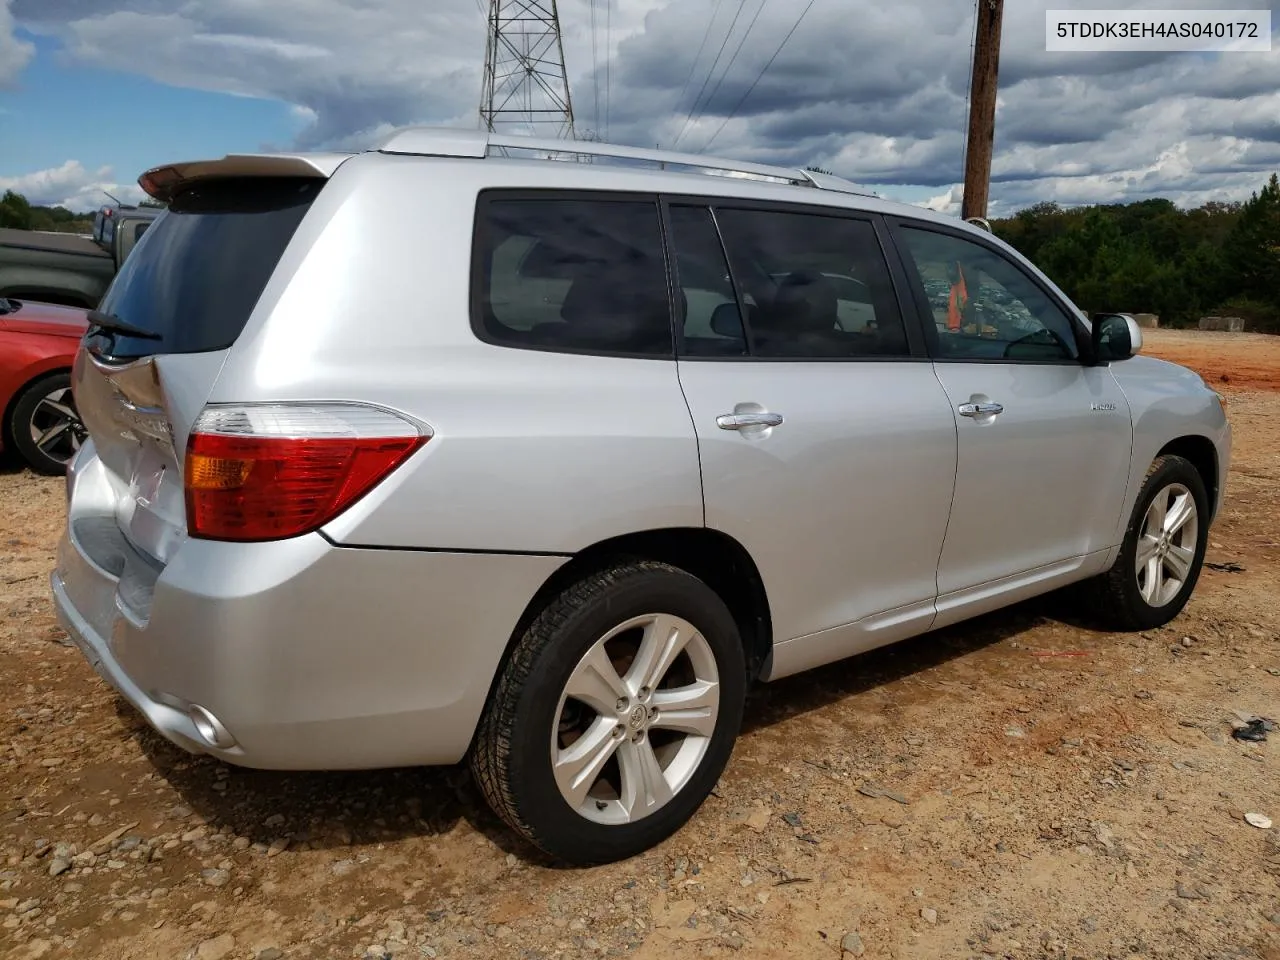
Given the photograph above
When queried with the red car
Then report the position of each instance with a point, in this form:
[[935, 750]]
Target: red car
[[38, 342]]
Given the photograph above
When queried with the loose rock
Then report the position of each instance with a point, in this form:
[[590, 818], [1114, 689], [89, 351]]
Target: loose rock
[[216, 878], [852, 945], [217, 948]]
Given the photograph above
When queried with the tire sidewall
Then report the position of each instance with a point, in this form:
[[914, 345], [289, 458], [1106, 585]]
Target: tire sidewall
[[539, 803], [20, 423], [1173, 470]]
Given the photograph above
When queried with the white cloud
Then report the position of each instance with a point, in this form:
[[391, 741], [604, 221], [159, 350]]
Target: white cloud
[[874, 91], [948, 202], [72, 186], [15, 54]]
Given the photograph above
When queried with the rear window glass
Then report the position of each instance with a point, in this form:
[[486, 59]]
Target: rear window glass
[[198, 271], [571, 275]]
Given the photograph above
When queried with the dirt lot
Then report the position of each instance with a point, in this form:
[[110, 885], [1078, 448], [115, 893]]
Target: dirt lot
[[1019, 786]]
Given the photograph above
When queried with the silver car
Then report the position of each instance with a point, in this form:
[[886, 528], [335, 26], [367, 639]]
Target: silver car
[[450, 451]]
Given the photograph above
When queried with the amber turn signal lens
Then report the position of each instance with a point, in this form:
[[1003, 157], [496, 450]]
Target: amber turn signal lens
[[216, 473]]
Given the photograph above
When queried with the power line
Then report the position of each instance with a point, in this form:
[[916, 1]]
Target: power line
[[706, 34], [723, 43], [608, 62], [706, 105], [760, 76], [595, 68]]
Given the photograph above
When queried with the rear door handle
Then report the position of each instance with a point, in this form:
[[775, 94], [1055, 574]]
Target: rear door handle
[[986, 409], [736, 421]]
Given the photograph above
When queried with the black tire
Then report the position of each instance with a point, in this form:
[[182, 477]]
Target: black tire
[[511, 757], [19, 425], [1114, 598]]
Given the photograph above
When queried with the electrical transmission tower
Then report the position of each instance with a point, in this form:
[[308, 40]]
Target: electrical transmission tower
[[526, 88]]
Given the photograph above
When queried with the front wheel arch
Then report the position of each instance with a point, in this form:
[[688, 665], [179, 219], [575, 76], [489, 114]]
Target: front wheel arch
[[1201, 453], [1113, 597]]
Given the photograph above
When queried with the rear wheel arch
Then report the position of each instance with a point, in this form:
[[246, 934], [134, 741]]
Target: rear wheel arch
[[717, 559]]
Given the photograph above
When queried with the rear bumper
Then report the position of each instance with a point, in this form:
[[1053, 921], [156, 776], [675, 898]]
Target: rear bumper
[[310, 656]]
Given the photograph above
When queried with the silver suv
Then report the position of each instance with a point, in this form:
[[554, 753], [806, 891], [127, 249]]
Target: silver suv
[[449, 450]]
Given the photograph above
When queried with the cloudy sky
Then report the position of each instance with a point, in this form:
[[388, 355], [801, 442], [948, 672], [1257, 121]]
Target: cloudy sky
[[92, 92]]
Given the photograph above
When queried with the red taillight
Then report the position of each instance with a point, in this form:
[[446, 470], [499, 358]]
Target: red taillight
[[271, 471]]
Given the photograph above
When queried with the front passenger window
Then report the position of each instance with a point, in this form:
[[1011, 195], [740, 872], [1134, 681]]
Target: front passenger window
[[984, 306]]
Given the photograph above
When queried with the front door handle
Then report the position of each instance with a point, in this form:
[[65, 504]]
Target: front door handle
[[986, 409], [736, 421]]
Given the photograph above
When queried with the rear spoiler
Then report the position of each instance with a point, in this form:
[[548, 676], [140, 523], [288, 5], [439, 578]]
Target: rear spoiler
[[162, 182]]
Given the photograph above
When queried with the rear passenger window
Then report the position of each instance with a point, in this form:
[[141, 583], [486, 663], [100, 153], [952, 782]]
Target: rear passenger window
[[578, 276], [816, 287], [712, 323]]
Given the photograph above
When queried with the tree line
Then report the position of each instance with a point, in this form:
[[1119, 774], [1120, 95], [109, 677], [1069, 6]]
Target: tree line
[[1220, 259], [18, 213]]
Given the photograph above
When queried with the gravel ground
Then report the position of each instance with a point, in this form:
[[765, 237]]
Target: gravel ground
[[1018, 786]]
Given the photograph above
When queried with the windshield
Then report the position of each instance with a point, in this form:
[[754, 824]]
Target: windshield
[[197, 272]]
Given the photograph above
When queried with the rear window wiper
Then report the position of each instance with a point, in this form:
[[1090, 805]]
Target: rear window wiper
[[113, 324]]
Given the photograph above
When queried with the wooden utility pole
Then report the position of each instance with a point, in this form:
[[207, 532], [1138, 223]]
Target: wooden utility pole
[[982, 109]]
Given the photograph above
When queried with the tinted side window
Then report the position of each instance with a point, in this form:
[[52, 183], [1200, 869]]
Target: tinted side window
[[816, 287], [984, 306], [712, 322], [573, 275]]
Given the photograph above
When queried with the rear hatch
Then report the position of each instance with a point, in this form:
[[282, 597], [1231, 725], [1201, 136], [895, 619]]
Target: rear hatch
[[145, 370]]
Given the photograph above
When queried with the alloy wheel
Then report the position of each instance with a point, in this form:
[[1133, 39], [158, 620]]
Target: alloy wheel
[[635, 719], [1167, 545], [55, 426]]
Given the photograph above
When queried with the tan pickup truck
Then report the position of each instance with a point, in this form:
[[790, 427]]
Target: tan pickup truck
[[68, 269]]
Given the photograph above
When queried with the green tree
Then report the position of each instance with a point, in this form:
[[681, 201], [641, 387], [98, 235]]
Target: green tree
[[1253, 246], [1151, 256], [15, 211]]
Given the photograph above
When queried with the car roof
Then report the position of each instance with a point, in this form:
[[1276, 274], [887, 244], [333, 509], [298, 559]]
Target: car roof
[[507, 163]]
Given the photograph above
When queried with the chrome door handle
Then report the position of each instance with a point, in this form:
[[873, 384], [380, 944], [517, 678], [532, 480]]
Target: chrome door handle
[[736, 421], [980, 409]]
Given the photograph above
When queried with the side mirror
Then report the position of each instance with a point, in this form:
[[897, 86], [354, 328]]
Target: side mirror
[[1116, 336]]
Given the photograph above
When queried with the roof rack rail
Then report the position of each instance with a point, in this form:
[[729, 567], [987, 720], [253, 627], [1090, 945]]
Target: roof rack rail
[[477, 144]]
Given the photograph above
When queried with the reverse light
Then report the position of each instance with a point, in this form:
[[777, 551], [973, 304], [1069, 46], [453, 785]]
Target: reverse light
[[273, 471]]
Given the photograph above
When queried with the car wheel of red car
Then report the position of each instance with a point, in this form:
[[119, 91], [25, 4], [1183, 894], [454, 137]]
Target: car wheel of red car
[[45, 426]]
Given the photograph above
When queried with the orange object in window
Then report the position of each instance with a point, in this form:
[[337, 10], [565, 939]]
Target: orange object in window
[[957, 301]]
